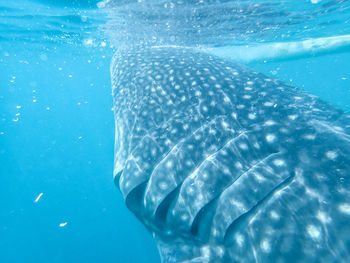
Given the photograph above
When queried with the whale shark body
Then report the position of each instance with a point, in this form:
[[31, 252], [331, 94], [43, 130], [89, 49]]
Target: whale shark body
[[224, 164]]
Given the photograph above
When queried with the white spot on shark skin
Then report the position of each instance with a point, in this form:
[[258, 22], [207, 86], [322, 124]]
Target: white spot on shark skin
[[238, 165], [169, 164], [270, 138], [279, 162], [252, 116], [219, 251], [184, 217], [243, 146], [332, 155], [309, 136], [292, 117], [269, 123], [239, 239], [344, 208], [268, 104], [259, 177], [215, 232], [163, 185], [224, 125], [153, 152], [323, 217], [313, 232], [274, 215], [265, 246], [237, 204], [205, 251]]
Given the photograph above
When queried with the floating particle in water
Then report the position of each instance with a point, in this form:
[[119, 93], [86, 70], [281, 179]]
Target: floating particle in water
[[38, 197], [101, 4], [63, 224], [43, 57], [88, 42]]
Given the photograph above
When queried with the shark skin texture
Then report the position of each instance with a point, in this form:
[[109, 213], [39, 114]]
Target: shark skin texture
[[224, 164]]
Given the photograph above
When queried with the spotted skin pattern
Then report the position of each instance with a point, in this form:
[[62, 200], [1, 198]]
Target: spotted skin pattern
[[224, 164]]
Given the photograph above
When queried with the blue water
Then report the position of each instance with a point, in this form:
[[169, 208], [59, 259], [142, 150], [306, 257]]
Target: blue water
[[58, 202], [56, 138]]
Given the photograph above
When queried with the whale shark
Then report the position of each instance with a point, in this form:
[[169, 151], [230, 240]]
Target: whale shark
[[225, 164]]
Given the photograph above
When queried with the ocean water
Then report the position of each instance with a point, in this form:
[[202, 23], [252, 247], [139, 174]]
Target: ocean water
[[57, 138], [58, 202]]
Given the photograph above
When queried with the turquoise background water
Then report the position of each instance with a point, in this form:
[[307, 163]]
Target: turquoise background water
[[57, 136], [61, 146]]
